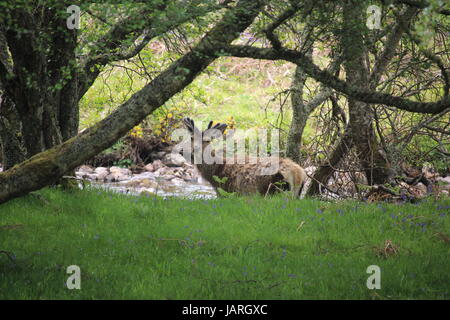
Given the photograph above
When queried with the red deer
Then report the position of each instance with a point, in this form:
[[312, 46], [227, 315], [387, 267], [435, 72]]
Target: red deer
[[242, 178]]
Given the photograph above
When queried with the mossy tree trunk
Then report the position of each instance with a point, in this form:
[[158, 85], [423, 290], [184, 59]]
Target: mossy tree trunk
[[39, 104]]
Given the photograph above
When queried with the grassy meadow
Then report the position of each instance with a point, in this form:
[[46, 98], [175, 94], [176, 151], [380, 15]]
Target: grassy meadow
[[229, 248]]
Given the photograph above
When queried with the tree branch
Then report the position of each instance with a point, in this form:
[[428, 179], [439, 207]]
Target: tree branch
[[328, 79], [391, 44], [269, 31], [107, 45], [421, 4]]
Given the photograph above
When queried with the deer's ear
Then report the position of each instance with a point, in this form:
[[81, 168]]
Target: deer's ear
[[215, 132], [221, 127], [189, 123], [210, 124]]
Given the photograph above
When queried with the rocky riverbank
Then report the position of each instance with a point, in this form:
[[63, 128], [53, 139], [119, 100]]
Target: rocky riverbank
[[171, 176]]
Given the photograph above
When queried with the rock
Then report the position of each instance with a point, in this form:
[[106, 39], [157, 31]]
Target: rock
[[149, 167], [120, 171], [444, 179], [187, 165], [418, 191], [157, 164], [109, 178], [173, 160], [100, 170], [88, 176], [177, 181], [118, 174], [101, 173], [428, 171], [163, 171], [310, 170], [157, 155], [422, 188], [136, 169], [84, 169]]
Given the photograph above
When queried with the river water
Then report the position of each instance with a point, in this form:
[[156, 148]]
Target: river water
[[158, 187]]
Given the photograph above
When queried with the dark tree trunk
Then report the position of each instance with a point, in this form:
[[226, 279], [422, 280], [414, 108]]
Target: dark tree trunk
[[11, 141], [42, 100]]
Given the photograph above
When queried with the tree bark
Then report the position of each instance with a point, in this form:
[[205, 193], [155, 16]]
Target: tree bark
[[374, 164], [299, 116], [302, 111], [324, 172]]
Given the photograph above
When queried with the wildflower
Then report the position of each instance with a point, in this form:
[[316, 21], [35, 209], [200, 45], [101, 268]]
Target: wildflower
[[283, 254]]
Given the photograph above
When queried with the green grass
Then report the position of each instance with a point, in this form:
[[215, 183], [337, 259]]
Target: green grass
[[237, 248]]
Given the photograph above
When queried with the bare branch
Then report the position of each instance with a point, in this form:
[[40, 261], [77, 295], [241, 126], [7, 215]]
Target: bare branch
[[269, 31], [422, 4]]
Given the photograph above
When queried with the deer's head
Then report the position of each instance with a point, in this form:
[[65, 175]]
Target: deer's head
[[200, 140]]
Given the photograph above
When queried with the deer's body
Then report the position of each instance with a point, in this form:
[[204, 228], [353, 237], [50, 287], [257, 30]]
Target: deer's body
[[246, 176]]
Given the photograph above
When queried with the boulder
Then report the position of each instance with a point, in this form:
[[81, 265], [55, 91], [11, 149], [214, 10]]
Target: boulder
[[444, 179], [85, 169], [149, 167], [109, 178], [157, 155], [173, 160], [101, 170], [119, 174], [120, 171], [157, 164], [101, 173]]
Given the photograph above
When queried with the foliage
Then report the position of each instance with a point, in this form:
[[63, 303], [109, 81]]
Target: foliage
[[124, 163]]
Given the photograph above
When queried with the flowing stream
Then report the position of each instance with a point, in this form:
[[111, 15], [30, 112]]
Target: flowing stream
[[147, 184]]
